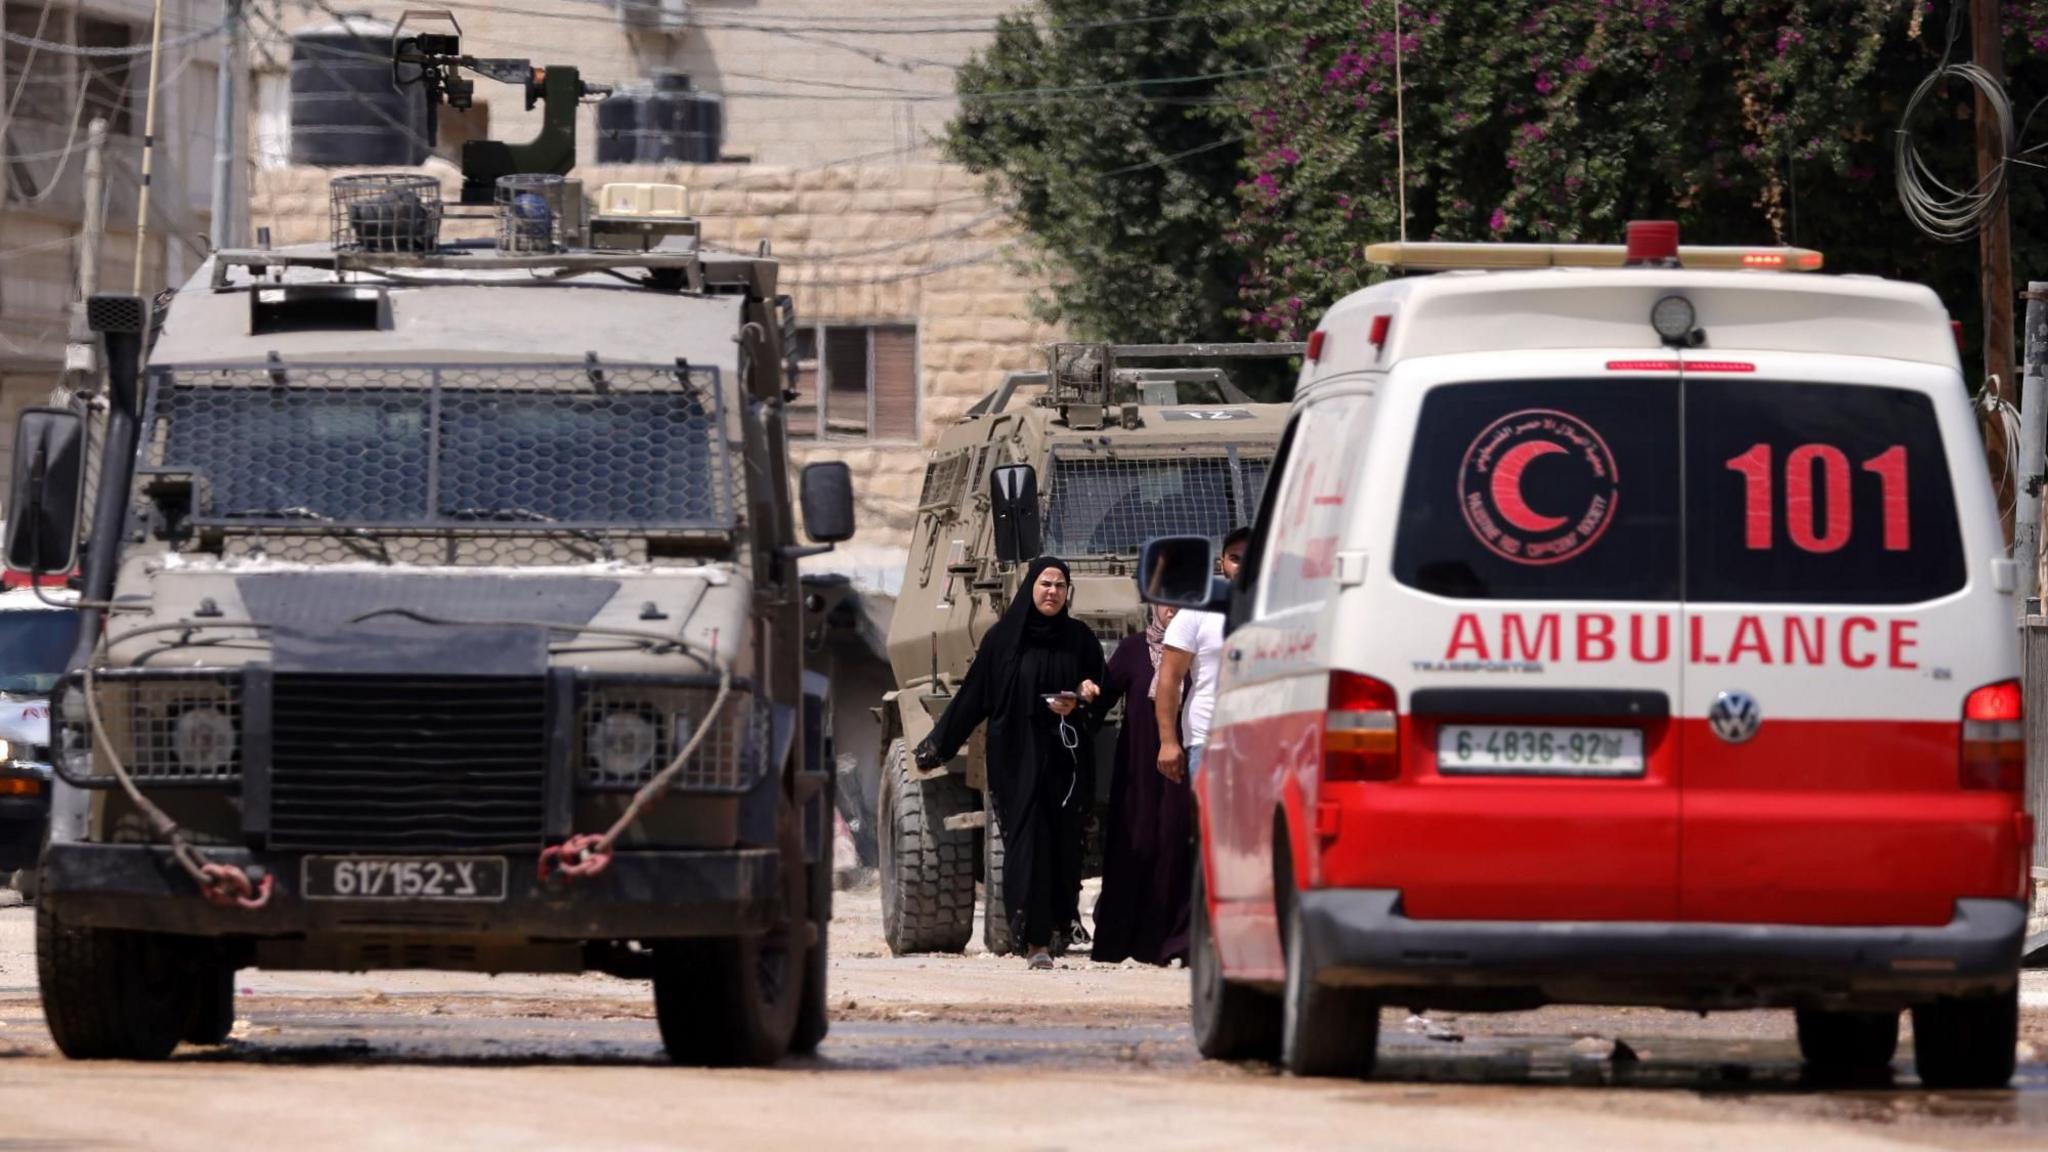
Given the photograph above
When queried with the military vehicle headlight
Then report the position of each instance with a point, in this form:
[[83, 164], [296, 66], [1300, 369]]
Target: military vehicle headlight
[[624, 743], [204, 739]]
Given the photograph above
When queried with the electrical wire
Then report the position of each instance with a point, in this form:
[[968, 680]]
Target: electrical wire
[[1947, 213], [61, 49], [902, 24]]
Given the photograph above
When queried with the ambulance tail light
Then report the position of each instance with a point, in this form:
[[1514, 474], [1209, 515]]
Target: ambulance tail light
[[1361, 731], [1994, 739]]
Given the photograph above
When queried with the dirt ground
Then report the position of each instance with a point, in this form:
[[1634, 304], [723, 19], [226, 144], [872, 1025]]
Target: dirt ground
[[947, 1052]]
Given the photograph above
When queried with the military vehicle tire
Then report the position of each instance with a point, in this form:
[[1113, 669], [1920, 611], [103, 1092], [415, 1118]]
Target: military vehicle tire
[[995, 911], [813, 1016], [213, 1002], [1967, 1042], [1324, 1031], [927, 868], [109, 994], [728, 1001], [1230, 1021], [1840, 1046]]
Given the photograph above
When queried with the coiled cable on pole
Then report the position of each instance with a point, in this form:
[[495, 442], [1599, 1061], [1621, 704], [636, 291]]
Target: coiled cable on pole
[[1951, 214]]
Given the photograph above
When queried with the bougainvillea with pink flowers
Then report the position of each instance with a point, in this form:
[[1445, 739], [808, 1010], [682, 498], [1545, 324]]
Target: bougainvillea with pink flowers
[[1748, 121]]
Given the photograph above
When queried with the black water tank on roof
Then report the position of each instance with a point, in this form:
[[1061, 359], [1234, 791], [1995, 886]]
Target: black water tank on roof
[[663, 121], [345, 110]]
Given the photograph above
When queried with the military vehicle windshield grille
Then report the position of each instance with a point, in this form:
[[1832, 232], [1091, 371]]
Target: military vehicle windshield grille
[[1110, 507], [581, 446]]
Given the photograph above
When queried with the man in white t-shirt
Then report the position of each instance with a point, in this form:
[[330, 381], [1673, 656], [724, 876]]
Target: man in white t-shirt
[[1194, 641]]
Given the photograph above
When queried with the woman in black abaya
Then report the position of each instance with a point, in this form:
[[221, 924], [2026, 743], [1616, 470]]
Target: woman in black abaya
[[1040, 750]]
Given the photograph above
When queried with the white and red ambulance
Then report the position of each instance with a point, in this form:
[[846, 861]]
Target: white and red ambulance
[[1623, 626]]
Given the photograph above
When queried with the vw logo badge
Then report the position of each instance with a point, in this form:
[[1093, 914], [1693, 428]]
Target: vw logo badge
[[1735, 717]]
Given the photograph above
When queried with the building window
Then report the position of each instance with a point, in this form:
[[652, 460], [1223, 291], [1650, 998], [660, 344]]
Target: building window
[[43, 78], [855, 382], [106, 77], [58, 87]]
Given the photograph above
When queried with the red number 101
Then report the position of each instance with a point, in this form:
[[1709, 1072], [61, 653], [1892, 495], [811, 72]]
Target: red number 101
[[1809, 531]]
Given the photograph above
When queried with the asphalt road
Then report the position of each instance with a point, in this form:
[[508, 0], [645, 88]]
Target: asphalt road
[[969, 1052]]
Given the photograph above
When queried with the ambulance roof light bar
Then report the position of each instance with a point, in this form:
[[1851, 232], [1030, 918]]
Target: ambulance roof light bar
[[1651, 247]]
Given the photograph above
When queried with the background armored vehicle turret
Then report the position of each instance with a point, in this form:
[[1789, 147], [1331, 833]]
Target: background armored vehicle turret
[[1084, 461], [440, 609]]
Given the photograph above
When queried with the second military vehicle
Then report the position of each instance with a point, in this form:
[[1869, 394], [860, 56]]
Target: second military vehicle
[[1084, 461]]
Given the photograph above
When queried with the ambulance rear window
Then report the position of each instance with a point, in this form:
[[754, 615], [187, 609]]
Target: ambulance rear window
[[1571, 489], [1544, 490], [1816, 494]]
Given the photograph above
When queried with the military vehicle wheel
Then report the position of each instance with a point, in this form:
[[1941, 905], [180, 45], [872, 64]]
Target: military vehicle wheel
[[1230, 1021], [995, 911], [213, 1002], [111, 995], [730, 1001], [1324, 1031], [1847, 1045], [813, 1017], [927, 868], [1967, 1042]]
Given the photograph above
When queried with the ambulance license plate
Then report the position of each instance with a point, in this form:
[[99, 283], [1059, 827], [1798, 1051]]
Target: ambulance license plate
[[403, 877], [1512, 750]]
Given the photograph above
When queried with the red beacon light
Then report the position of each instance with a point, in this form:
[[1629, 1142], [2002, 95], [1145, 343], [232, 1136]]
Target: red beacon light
[[1652, 243]]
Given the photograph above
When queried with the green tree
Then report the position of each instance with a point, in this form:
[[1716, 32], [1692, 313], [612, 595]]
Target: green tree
[[1096, 119], [1748, 121]]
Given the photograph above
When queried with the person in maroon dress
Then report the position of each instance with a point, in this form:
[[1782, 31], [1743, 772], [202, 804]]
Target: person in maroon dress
[[1148, 846]]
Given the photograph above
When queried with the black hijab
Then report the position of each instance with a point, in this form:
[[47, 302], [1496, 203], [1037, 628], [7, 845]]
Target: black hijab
[[1023, 625]]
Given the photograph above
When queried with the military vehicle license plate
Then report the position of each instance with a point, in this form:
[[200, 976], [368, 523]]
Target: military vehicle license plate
[[1499, 750], [403, 877]]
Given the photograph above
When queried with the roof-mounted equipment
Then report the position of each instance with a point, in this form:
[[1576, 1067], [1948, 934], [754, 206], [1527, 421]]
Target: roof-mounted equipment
[[435, 61], [1652, 243]]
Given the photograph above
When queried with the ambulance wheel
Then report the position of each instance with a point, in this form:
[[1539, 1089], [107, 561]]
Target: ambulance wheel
[[1324, 1031], [1967, 1042], [1847, 1045], [109, 994], [1230, 1021], [927, 869]]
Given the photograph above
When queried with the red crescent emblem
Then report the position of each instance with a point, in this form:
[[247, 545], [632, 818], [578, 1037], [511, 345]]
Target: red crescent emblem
[[1507, 487], [1494, 477]]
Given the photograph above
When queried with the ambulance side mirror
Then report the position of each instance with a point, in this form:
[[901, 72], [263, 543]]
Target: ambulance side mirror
[[1180, 572]]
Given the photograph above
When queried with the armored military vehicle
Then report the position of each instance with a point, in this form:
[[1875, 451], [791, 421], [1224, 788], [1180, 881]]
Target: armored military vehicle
[[441, 610], [1121, 449]]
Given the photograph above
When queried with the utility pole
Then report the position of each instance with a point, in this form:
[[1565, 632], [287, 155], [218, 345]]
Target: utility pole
[[2026, 547], [156, 56], [1994, 240], [227, 138], [80, 356]]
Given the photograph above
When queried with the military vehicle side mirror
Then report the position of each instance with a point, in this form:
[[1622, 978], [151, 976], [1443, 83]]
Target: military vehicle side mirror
[[1013, 494], [49, 491], [827, 496], [1180, 572]]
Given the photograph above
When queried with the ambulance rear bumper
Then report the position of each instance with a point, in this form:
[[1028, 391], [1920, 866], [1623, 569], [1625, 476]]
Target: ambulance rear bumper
[[1361, 938]]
